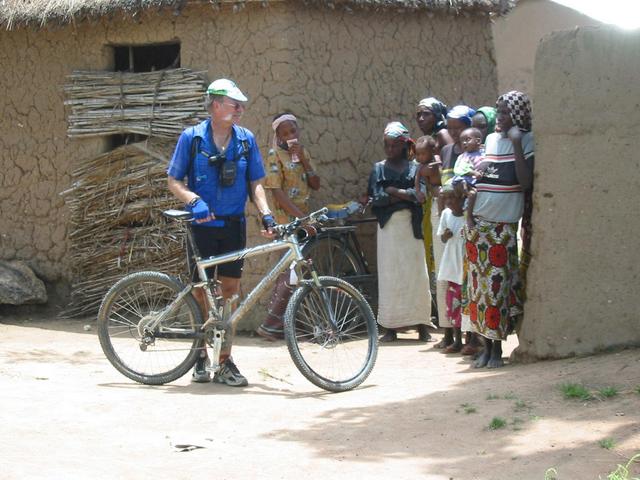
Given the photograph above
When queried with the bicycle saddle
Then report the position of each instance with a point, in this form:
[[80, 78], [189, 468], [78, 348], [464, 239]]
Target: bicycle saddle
[[182, 215]]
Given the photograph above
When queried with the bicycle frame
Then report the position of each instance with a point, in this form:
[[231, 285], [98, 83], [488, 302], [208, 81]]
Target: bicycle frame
[[294, 254], [216, 315]]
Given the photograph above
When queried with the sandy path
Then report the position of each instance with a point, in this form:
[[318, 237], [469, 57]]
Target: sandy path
[[66, 413]]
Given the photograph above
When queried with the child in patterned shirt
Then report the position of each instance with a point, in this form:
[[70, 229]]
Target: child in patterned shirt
[[290, 179]]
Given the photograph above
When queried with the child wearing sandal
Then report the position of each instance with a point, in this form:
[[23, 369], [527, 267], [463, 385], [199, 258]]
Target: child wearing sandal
[[450, 271]]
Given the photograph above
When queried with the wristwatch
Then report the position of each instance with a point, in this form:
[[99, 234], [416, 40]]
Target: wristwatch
[[192, 202]]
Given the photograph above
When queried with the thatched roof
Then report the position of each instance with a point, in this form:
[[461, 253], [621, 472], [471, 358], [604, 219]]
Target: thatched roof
[[15, 13]]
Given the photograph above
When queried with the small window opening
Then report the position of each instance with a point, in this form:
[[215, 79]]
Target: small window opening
[[146, 58], [138, 59]]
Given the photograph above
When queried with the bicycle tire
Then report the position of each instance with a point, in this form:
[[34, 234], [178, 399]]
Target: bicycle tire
[[332, 257], [322, 355], [128, 303], [336, 258]]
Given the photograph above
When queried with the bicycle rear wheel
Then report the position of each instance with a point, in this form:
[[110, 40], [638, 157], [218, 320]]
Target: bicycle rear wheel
[[334, 355], [333, 257], [140, 351]]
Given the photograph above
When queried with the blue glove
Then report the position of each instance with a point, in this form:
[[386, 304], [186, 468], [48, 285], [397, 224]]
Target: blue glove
[[268, 222], [199, 209]]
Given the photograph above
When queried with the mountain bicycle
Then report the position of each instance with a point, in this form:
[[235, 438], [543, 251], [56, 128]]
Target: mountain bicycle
[[152, 331]]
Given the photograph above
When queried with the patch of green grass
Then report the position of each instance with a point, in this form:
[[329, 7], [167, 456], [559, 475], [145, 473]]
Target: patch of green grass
[[468, 408], [608, 392], [551, 474], [638, 389], [516, 423], [622, 472], [493, 396], [535, 418], [521, 405], [509, 396], [497, 423], [575, 390], [607, 443]]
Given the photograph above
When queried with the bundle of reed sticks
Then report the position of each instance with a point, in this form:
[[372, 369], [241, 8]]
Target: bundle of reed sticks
[[117, 227], [155, 104]]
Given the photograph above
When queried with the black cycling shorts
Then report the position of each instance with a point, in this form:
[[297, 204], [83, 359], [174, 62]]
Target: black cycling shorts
[[211, 241]]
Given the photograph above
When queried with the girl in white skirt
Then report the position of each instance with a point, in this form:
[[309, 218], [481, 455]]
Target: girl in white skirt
[[404, 299]]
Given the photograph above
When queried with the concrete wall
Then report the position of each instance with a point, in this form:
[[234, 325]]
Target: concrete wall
[[584, 278], [344, 74], [518, 34]]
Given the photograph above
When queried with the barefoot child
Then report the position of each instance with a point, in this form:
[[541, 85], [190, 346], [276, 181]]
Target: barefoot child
[[450, 233]]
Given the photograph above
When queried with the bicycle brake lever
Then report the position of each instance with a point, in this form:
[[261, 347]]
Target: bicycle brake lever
[[280, 230]]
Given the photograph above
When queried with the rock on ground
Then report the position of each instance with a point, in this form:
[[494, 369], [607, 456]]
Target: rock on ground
[[19, 285]]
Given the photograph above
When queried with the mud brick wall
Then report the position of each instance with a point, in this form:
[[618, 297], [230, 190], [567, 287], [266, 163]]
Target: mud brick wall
[[344, 74], [583, 279]]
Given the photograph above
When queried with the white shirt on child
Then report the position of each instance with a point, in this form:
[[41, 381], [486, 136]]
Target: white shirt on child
[[453, 255]]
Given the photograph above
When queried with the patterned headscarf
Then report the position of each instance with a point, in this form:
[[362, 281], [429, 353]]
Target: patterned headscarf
[[519, 109], [462, 113], [396, 130], [438, 109], [490, 114]]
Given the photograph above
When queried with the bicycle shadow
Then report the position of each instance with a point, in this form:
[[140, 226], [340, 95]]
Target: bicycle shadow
[[254, 388]]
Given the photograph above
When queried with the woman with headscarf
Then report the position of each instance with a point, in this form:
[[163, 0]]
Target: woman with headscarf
[[458, 119], [289, 181], [431, 116], [493, 289], [485, 121], [404, 299], [431, 119]]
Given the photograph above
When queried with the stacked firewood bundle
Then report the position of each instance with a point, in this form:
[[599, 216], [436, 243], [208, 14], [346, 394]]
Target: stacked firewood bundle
[[155, 104], [117, 227], [116, 199]]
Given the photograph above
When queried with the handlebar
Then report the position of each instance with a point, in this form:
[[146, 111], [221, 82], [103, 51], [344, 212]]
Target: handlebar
[[319, 216], [286, 229]]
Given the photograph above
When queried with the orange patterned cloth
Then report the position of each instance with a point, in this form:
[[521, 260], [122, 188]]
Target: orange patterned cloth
[[290, 177]]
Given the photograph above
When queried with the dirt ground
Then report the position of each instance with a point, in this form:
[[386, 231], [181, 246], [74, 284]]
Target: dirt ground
[[65, 413]]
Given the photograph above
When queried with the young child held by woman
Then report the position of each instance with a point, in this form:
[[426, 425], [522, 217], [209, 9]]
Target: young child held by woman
[[468, 169], [429, 170]]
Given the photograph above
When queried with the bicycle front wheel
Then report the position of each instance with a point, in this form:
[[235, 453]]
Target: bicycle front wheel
[[134, 341], [331, 334]]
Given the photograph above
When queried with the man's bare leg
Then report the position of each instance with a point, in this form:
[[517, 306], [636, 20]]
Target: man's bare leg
[[229, 286]]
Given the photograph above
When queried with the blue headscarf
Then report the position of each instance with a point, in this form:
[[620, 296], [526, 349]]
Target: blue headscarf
[[462, 113]]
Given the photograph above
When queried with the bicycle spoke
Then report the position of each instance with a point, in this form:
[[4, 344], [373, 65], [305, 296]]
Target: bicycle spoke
[[135, 308], [335, 356]]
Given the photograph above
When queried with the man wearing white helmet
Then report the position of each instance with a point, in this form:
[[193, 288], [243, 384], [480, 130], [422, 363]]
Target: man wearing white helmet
[[223, 167]]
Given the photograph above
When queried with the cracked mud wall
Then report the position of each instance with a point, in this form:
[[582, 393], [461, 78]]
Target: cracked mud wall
[[344, 74], [583, 280]]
